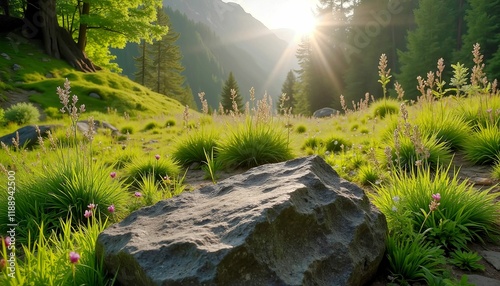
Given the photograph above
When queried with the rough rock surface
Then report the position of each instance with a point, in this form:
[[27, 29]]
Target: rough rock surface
[[84, 126], [28, 135], [291, 223], [324, 112]]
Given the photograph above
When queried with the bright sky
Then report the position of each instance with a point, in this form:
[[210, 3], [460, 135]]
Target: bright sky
[[275, 14]]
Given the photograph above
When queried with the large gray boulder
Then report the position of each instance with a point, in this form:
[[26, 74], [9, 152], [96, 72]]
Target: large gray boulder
[[27, 135], [291, 223]]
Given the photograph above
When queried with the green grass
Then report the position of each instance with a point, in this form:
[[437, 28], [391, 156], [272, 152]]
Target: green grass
[[156, 125], [117, 92]]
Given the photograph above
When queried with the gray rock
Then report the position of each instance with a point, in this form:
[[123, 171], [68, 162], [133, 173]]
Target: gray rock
[[16, 67], [325, 112], [84, 126], [492, 257], [28, 135], [5, 56], [291, 223], [482, 280], [49, 75], [94, 95]]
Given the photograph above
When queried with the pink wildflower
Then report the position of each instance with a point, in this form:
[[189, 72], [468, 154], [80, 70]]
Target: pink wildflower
[[87, 214], [74, 257], [111, 208], [157, 157], [137, 194], [112, 175]]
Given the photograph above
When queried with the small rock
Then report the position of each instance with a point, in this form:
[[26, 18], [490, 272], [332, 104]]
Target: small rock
[[94, 95], [45, 60], [16, 67], [482, 181], [49, 75], [5, 56], [492, 257], [324, 112], [482, 280]]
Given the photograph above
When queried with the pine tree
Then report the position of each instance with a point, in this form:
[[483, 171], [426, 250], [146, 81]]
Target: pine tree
[[144, 65], [159, 66], [433, 38], [230, 92], [301, 105], [166, 57], [289, 89], [483, 27]]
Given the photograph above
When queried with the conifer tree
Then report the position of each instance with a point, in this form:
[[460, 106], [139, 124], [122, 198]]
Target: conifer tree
[[144, 65], [433, 38], [230, 92], [483, 27], [159, 66], [301, 104], [289, 88], [166, 57]]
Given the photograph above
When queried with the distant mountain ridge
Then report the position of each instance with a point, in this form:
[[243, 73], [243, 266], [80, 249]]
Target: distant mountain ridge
[[236, 27], [216, 38]]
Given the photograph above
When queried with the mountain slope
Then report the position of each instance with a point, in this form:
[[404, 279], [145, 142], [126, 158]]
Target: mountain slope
[[216, 38]]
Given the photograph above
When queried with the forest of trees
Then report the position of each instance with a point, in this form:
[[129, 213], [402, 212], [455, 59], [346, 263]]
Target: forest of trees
[[159, 65], [341, 58]]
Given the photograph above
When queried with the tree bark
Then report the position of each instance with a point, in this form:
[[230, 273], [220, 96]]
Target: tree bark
[[41, 22], [82, 32]]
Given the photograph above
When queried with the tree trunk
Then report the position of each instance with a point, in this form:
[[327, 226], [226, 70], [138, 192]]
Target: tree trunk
[[41, 22], [82, 32]]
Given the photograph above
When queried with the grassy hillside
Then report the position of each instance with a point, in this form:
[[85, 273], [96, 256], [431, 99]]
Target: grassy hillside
[[43, 74]]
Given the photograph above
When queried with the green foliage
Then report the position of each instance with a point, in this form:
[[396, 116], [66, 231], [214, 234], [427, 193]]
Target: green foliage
[[231, 93], [447, 128], [289, 88], [483, 146], [170, 123], [252, 145], [1, 115], [191, 149], [495, 173], [150, 166], [368, 175], [127, 130], [479, 111], [159, 66], [22, 113], [466, 260], [407, 156], [482, 22], [113, 24], [301, 129], [436, 31], [64, 189], [211, 166], [409, 256], [337, 144], [150, 190], [46, 258], [53, 113], [151, 125], [312, 143], [462, 211], [382, 108]]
